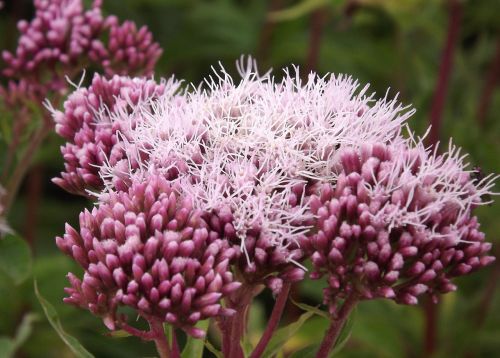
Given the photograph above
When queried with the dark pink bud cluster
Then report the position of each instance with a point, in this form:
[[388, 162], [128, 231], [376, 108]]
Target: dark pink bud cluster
[[91, 133], [384, 229], [260, 259], [148, 249], [130, 51], [64, 37]]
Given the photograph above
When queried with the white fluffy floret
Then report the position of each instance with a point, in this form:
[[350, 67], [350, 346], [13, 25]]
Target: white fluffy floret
[[249, 145]]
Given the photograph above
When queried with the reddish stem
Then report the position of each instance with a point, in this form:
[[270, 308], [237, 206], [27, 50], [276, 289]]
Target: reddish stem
[[445, 67], [146, 336], [336, 325], [23, 166], [487, 299], [175, 346], [224, 326], [160, 339], [274, 320], [34, 194], [233, 328], [266, 33], [489, 87], [238, 327], [318, 20], [431, 311]]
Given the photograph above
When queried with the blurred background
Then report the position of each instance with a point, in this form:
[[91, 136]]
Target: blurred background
[[442, 57]]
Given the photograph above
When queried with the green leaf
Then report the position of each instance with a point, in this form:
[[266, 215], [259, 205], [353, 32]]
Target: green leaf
[[308, 352], [15, 258], [53, 318], [247, 346], [298, 10], [118, 334], [194, 346], [313, 309], [7, 347], [282, 335], [213, 350], [25, 329]]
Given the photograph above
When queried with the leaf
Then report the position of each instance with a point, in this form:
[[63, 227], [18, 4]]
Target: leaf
[[308, 352], [118, 334], [282, 335], [212, 349], [25, 329], [247, 346], [194, 347], [7, 347], [54, 321], [15, 258], [313, 309], [298, 10]]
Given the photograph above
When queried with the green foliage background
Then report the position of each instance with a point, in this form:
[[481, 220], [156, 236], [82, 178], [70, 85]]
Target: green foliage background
[[388, 43]]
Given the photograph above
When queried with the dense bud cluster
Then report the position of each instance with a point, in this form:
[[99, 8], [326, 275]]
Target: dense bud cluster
[[149, 249], [91, 135], [277, 173], [397, 224], [245, 151], [63, 38], [130, 51]]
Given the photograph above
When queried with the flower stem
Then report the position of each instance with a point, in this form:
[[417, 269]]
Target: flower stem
[[160, 339], [318, 20], [23, 166], [336, 326], [489, 87], [278, 308], [175, 346], [233, 328], [431, 312], [445, 67]]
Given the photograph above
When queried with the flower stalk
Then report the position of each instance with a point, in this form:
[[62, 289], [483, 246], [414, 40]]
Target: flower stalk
[[160, 339], [336, 324], [445, 68], [273, 322]]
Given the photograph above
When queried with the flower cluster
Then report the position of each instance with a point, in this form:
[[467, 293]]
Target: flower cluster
[[62, 38], [397, 223], [246, 152], [149, 249], [91, 135], [275, 172]]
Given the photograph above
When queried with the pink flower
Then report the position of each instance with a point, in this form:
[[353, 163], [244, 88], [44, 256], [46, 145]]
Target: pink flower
[[149, 249], [398, 223], [63, 37], [92, 135]]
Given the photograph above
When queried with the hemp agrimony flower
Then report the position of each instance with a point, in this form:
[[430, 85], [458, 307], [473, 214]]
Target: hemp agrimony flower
[[398, 223], [92, 136], [149, 249], [262, 175]]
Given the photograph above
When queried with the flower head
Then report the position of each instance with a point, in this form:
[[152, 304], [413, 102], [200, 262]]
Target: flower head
[[245, 152], [398, 223], [92, 136], [149, 249], [64, 36], [272, 163]]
